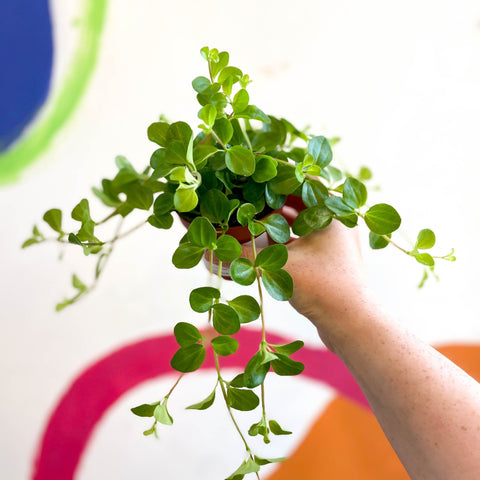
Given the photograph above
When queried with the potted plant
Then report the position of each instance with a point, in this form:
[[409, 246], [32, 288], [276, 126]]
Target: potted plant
[[230, 183]]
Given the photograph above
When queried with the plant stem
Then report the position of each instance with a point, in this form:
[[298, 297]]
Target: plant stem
[[224, 393], [260, 293], [219, 141], [245, 135], [174, 386]]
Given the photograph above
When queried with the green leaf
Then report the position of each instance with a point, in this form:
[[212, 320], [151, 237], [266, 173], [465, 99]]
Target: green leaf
[[202, 299], [254, 113], [242, 271], [274, 200], [202, 233], [237, 381], [78, 284], [240, 101], [314, 193], [145, 410], [248, 466], [255, 228], [278, 284], [243, 400], [138, 196], [161, 414], [224, 130], [320, 150], [224, 345], [225, 319], [272, 258], [200, 84], [187, 255], [382, 219], [157, 132], [247, 308], [276, 429], [186, 334], [354, 193], [338, 206], [215, 206], [54, 218], [204, 404], [266, 461], [221, 63], [161, 163], [245, 213], [201, 153], [285, 183], [288, 348], [299, 226], [227, 249], [425, 239], [188, 359], [317, 217], [185, 199], [72, 238], [277, 227], [265, 170], [284, 365], [208, 114], [162, 221], [377, 241], [424, 259], [240, 160], [255, 371], [233, 72], [163, 204]]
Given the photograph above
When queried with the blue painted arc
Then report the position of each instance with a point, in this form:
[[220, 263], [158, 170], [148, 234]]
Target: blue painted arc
[[26, 59]]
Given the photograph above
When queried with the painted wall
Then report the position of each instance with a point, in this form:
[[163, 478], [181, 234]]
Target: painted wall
[[398, 83]]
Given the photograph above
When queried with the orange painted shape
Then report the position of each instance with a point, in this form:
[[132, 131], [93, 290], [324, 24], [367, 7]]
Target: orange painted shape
[[347, 443]]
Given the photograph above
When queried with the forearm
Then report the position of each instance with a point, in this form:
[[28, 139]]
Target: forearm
[[428, 408]]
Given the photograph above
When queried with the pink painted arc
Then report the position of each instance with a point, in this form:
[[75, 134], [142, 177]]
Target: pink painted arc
[[102, 384]]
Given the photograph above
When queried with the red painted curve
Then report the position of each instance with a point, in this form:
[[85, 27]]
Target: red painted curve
[[103, 383]]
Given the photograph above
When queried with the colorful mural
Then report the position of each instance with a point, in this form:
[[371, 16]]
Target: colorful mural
[[397, 100]]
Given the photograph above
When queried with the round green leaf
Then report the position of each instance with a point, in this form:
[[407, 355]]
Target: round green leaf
[[320, 150], [200, 84], [208, 113], [425, 259], [240, 160], [202, 233], [242, 271], [354, 193], [377, 241], [240, 101], [225, 319], [163, 204], [185, 199], [215, 206], [277, 227], [274, 200], [338, 206], [224, 130], [161, 414], [272, 258], [245, 213], [201, 299], [224, 345], [317, 217], [228, 248], [162, 221], [276, 429], [265, 170], [289, 348], [243, 400], [278, 284], [186, 334], [157, 132], [188, 359], [187, 255], [204, 404], [285, 182], [247, 308], [54, 219], [382, 219], [284, 365], [300, 226], [255, 228], [255, 371], [425, 239], [145, 410], [314, 193]]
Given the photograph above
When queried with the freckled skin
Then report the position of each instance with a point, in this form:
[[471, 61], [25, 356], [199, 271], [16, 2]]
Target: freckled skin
[[425, 404]]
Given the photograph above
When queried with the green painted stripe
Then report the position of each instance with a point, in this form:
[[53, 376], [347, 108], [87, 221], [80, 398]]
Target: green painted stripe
[[60, 108]]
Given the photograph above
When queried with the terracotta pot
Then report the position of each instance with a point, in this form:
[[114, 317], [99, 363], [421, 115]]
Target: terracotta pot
[[290, 210]]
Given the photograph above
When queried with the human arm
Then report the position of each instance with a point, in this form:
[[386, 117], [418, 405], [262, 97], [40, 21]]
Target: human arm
[[428, 408]]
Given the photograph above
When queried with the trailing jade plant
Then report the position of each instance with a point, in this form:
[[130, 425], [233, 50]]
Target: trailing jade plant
[[238, 170]]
